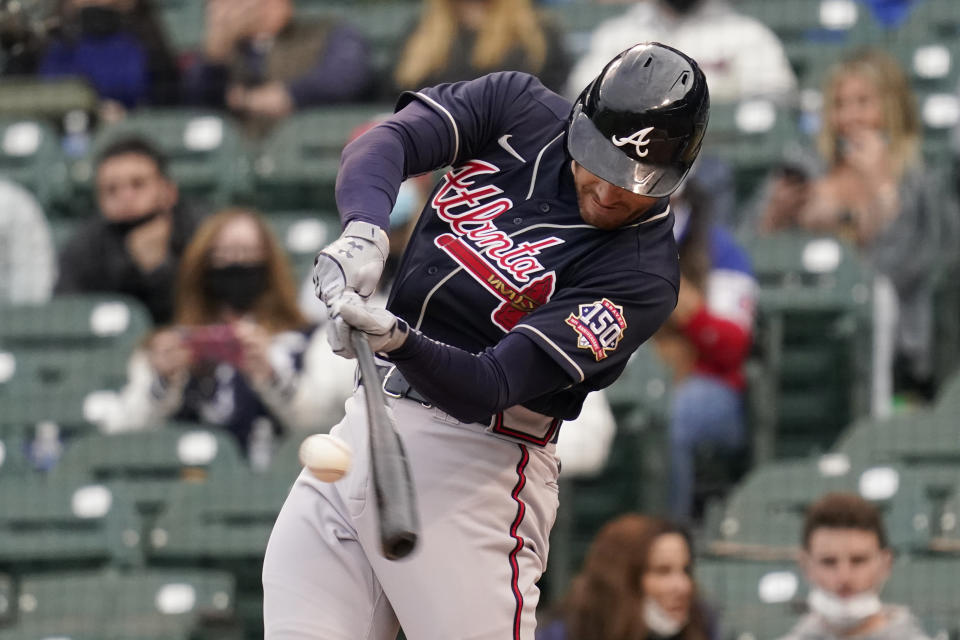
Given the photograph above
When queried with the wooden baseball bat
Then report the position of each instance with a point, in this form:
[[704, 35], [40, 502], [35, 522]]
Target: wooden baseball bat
[[392, 482]]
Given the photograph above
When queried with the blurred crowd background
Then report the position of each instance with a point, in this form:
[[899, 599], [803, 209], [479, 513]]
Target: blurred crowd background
[[166, 178]]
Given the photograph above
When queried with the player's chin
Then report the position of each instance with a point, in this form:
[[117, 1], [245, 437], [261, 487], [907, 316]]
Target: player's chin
[[607, 219]]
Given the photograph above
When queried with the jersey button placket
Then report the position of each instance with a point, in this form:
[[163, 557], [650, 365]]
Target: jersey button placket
[[544, 207]]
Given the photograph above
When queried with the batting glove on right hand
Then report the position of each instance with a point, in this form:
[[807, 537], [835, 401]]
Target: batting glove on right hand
[[351, 264], [384, 331]]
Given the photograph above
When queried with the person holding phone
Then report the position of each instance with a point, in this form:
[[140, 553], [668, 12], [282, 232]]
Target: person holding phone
[[240, 354], [873, 189]]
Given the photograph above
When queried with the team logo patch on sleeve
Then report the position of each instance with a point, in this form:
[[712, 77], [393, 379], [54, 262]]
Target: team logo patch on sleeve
[[599, 326]]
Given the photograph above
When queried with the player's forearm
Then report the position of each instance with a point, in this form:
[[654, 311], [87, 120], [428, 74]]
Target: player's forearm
[[412, 142], [472, 387]]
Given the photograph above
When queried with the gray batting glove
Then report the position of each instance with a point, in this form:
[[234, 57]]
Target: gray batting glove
[[352, 263], [385, 332]]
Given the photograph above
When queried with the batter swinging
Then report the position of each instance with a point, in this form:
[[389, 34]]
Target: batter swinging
[[542, 260]]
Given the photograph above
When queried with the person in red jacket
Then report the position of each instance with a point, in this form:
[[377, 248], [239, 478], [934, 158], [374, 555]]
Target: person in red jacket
[[705, 342]]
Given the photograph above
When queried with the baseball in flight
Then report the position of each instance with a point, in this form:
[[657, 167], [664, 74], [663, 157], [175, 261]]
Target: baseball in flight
[[327, 457]]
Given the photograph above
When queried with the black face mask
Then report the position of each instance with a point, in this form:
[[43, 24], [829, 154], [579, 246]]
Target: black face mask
[[98, 21], [237, 285], [680, 6], [123, 227]]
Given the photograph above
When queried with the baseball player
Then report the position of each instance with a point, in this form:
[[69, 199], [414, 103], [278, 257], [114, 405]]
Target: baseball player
[[544, 257]]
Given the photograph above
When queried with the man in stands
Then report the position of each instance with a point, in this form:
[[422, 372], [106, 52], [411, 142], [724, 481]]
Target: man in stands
[[847, 560]]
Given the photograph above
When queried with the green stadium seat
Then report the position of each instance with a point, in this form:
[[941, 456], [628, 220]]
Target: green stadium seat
[[763, 517], [56, 357], [151, 463], [208, 158], [184, 22], [13, 459], [224, 524], [751, 136], [813, 337], [30, 155], [47, 525], [7, 601], [303, 234], [143, 605], [931, 588], [49, 99], [97, 321], [756, 600], [297, 166]]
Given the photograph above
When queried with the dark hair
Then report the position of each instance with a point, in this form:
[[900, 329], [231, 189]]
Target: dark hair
[[843, 511], [605, 598], [134, 145]]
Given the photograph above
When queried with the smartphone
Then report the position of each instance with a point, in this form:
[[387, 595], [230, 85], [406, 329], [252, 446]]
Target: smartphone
[[214, 343]]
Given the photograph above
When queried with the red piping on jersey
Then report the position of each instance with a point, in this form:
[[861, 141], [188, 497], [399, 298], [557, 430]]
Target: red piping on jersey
[[514, 567], [500, 429]]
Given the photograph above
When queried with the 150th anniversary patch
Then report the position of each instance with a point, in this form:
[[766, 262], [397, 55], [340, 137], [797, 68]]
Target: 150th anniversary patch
[[599, 326]]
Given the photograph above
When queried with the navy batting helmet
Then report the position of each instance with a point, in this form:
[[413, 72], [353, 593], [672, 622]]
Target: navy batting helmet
[[640, 123]]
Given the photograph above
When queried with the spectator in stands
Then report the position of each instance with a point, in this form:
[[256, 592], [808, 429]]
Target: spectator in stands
[[240, 354], [262, 63], [28, 262], [871, 188], [741, 57], [464, 39], [847, 561], [636, 584], [706, 341], [120, 47], [135, 244]]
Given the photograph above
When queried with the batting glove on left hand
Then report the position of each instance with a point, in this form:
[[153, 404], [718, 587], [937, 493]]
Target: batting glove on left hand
[[351, 264], [385, 332]]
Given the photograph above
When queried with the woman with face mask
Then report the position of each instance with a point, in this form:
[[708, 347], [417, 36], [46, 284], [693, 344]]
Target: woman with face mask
[[240, 354], [636, 584]]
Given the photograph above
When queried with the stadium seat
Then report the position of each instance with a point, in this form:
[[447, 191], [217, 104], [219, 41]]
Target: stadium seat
[[208, 158], [931, 588], [46, 98], [763, 517], [7, 611], [30, 155], [107, 321], [59, 360], [224, 524], [755, 600], [151, 463], [297, 166], [813, 337], [13, 459], [184, 22], [751, 136], [143, 605], [58, 525], [303, 234]]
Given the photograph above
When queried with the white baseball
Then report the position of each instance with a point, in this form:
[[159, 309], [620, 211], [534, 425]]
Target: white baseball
[[327, 457]]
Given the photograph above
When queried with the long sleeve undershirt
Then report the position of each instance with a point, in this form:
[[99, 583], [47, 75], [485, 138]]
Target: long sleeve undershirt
[[414, 141]]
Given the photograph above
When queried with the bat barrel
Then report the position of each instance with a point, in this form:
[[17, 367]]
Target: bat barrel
[[393, 486]]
